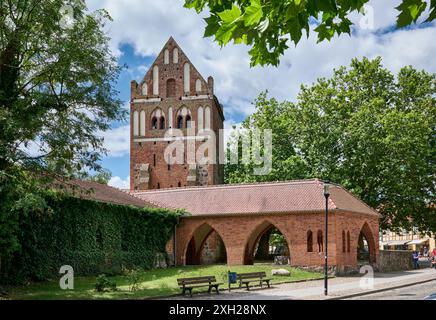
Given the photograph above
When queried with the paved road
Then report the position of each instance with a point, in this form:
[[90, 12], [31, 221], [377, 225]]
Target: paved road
[[417, 292]]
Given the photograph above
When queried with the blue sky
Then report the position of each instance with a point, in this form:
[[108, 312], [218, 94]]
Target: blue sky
[[140, 28]]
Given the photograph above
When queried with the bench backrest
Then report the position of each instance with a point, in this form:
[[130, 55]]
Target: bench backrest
[[196, 280], [251, 275]]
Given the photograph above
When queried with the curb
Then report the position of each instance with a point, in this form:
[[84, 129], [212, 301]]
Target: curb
[[365, 293]]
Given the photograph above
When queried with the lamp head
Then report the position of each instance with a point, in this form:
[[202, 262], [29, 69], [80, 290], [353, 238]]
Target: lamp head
[[326, 188]]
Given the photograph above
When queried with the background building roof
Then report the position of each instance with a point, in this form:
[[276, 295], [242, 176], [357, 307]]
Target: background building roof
[[90, 190]]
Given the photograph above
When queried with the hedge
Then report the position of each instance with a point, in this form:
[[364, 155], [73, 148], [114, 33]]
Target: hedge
[[93, 237]]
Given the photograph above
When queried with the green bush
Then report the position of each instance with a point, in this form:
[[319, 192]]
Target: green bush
[[93, 237], [134, 278], [104, 284]]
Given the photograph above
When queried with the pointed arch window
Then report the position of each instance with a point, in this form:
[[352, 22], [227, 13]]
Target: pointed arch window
[[344, 249], [179, 122], [154, 123], [162, 123], [320, 241], [176, 55], [348, 241], [309, 241], [188, 121], [166, 56]]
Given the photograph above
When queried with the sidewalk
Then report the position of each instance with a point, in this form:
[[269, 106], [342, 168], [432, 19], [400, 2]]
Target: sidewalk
[[314, 290]]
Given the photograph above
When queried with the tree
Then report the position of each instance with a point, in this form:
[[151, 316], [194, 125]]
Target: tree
[[56, 93], [365, 129], [267, 25]]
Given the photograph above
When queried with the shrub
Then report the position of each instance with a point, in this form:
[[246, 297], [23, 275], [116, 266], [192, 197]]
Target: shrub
[[92, 237], [103, 284], [134, 278]]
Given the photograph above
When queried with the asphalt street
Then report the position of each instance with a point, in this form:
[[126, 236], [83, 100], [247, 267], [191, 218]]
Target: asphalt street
[[416, 292]]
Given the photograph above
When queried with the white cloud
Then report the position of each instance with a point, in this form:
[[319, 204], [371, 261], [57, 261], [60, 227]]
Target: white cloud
[[119, 183], [117, 141]]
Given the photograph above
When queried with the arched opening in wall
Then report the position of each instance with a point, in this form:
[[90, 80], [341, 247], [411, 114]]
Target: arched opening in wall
[[366, 246], [188, 121], [205, 247], [343, 242], [154, 123], [162, 123], [171, 88], [309, 241], [179, 122], [320, 241], [266, 244]]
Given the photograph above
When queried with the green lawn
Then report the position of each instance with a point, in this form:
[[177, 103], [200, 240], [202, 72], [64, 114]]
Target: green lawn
[[158, 282]]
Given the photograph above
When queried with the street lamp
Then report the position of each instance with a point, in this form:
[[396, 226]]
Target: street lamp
[[326, 195]]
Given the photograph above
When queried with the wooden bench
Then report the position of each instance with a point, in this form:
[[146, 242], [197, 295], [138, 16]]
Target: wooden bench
[[246, 278], [187, 284]]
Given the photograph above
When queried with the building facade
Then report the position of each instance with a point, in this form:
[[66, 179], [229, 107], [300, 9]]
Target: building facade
[[175, 106], [406, 240], [176, 121]]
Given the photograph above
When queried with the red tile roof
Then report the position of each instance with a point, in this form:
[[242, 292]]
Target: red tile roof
[[279, 197], [100, 192]]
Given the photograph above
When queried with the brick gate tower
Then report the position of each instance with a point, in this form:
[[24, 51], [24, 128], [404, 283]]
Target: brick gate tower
[[172, 106]]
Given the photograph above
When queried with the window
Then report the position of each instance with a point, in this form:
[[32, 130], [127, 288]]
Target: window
[[154, 123], [136, 123], [167, 56], [155, 80], [180, 184], [207, 118], [200, 118], [162, 123], [343, 241], [348, 241], [144, 89], [154, 160], [142, 123], [179, 122], [320, 241], [188, 121], [187, 78], [176, 55], [309, 241], [158, 185], [198, 85]]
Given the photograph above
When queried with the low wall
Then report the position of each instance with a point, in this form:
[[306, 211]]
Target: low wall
[[395, 260]]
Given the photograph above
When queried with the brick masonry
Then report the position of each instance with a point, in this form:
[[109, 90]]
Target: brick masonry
[[148, 167], [240, 234]]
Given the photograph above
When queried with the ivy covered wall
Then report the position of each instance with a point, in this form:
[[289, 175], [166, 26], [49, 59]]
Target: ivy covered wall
[[92, 237]]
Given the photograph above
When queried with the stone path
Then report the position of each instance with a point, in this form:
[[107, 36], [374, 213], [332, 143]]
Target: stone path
[[314, 290]]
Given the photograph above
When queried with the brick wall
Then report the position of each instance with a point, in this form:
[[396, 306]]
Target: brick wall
[[237, 233], [151, 153]]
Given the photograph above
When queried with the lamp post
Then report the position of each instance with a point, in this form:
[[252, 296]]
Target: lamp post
[[326, 195]]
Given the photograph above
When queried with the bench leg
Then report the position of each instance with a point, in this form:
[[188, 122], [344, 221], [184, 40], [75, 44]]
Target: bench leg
[[267, 282], [248, 287], [190, 292]]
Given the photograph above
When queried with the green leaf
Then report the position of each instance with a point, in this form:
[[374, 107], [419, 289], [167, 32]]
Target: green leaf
[[410, 10], [230, 16], [253, 14]]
